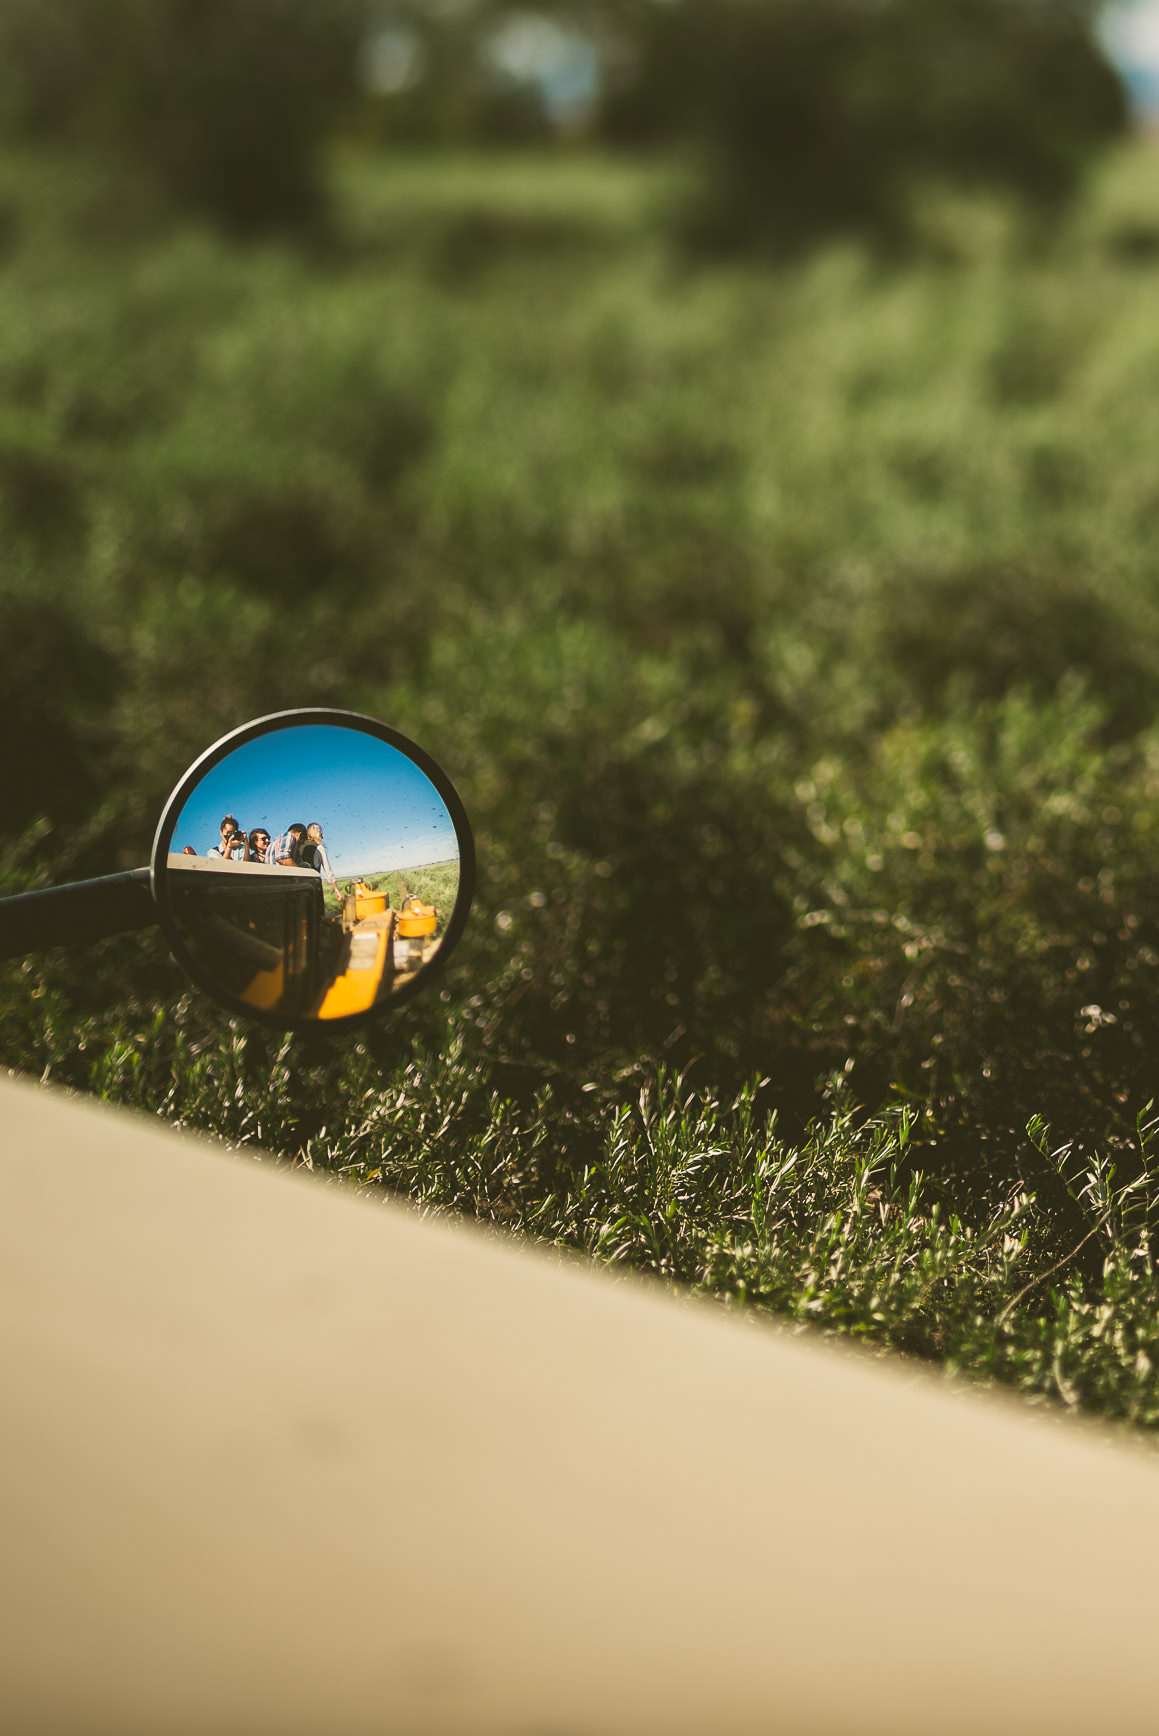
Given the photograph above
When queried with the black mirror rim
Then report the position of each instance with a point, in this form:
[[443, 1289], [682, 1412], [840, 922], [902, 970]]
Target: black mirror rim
[[268, 725]]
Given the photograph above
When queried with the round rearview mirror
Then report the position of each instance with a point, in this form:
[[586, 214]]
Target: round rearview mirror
[[313, 869]]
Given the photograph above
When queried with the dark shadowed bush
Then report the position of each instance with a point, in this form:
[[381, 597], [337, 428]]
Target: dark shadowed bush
[[986, 630], [824, 114], [49, 767], [222, 104]]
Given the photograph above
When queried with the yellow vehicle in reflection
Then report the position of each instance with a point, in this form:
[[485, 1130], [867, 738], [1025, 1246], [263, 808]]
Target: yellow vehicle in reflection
[[381, 946], [264, 933], [258, 930]]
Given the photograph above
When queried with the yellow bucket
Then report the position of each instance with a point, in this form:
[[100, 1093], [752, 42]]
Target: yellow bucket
[[415, 919], [368, 903]]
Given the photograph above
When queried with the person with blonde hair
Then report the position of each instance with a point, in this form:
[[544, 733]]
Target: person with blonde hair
[[313, 854]]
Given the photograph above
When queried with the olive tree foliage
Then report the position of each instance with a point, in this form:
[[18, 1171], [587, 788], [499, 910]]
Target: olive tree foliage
[[817, 115], [808, 115], [223, 104]]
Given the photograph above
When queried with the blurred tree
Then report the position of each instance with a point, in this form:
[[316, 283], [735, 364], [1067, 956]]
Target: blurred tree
[[470, 72], [823, 114], [225, 104]]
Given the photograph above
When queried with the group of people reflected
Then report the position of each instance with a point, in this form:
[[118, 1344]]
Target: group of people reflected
[[299, 846], [271, 940], [259, 910]]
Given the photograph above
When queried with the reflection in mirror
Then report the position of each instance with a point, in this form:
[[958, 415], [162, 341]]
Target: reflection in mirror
[[313, 872]]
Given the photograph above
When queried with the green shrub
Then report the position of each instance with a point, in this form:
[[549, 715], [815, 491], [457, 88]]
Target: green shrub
[[822, 115], [51, 768], [223, 104], [794, 654]]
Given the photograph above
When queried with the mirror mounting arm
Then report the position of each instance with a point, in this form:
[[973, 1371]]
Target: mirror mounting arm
[[77, 914]]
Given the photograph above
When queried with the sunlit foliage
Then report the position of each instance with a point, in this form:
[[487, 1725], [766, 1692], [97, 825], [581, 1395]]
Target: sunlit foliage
[[791, 636]]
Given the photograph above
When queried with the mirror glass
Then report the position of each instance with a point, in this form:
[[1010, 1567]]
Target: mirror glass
[[312, 872]]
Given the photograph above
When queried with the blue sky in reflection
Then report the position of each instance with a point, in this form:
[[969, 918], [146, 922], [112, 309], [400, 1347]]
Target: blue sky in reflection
[[377, 810]]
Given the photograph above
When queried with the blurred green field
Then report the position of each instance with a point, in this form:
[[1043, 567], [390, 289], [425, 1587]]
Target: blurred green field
[[792, 636]]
